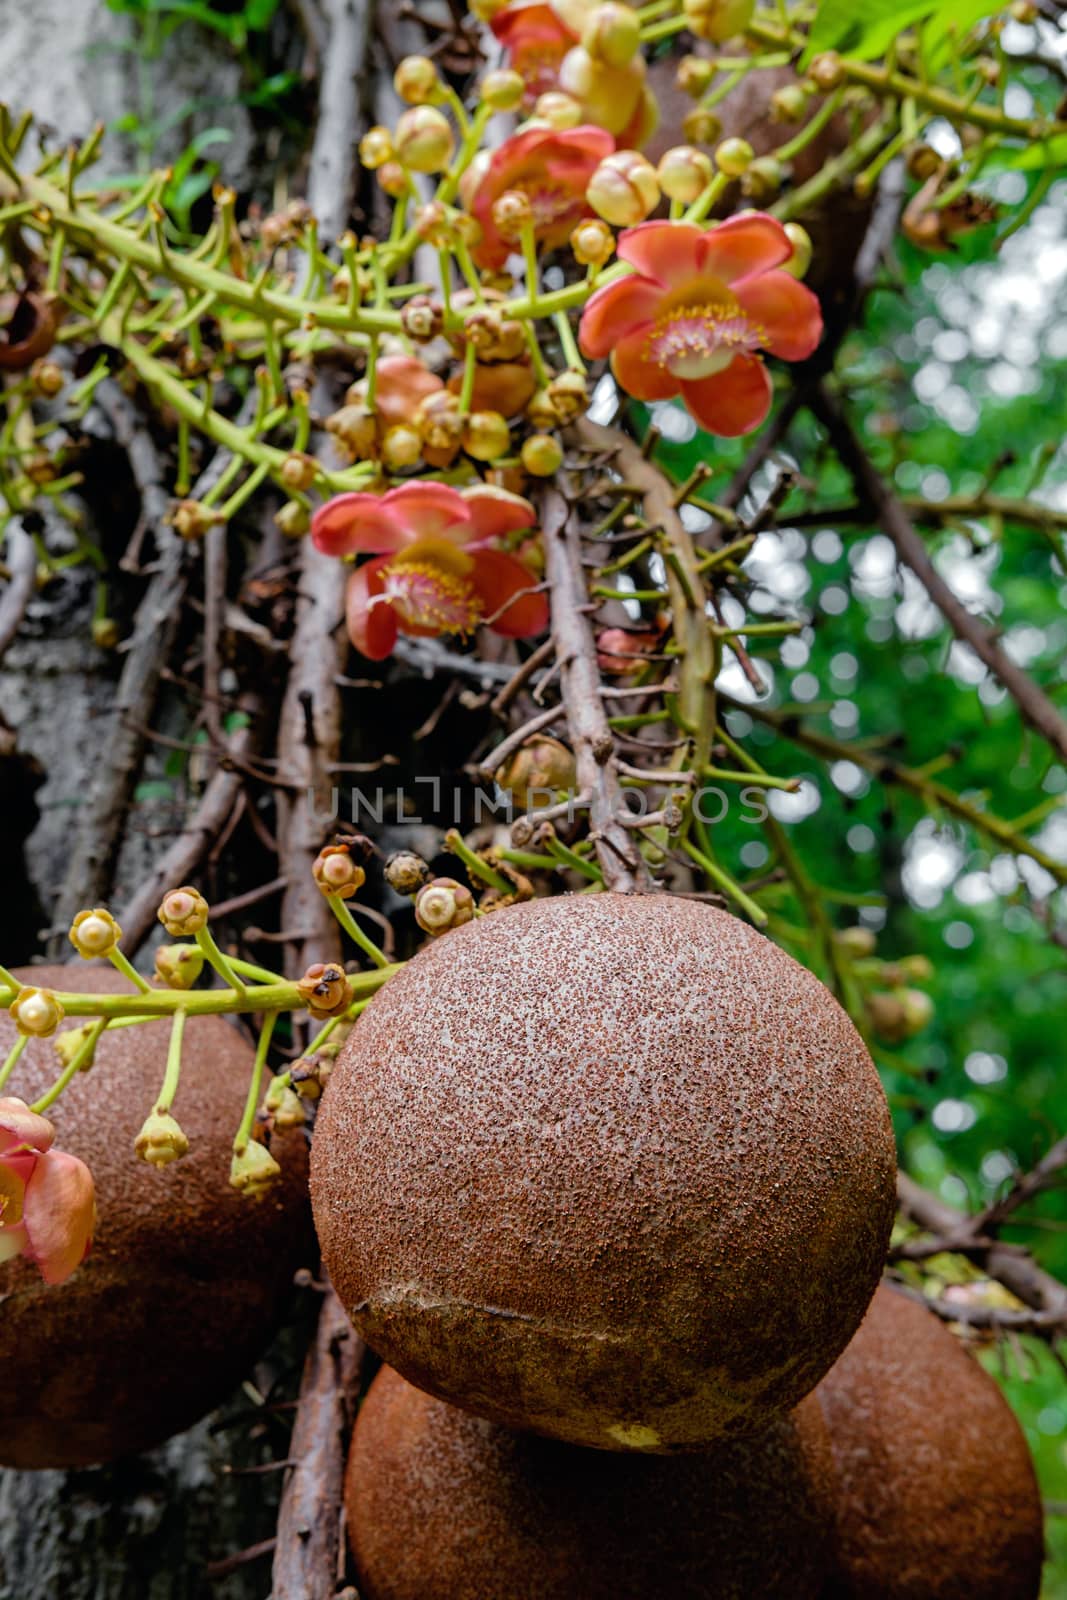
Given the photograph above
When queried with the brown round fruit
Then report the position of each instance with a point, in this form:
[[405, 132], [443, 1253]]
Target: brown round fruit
[[185, 1279], [441, 1503], [614, 1168], [937, 1498]]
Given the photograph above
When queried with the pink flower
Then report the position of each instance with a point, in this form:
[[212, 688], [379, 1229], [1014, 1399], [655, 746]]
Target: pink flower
[[695, 316], [553, 169], [536, 39], [47, 1209], [436, 570]]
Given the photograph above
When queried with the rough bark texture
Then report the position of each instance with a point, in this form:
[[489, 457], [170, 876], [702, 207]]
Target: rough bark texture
[[146, 1528]]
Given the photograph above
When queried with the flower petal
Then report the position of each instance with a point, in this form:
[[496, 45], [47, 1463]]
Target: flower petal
[[497, 576], [616, 310], [403, 382], [355, 522], [663, 251], [59, 1213], [730, 402], [743, 245], [19, 1125], [639, 377], [12, 1242], [786, 310], [429, 510], [372, 628], [495, 512]]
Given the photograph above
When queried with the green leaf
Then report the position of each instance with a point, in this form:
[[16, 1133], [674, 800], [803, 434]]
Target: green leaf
[[949, 21], [862, 31], [259, 14], [1033, 157]]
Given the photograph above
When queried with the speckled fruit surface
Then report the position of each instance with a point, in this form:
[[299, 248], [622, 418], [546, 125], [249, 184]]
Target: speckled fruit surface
[[186, 1278], [613, 1168], [937, 1498], [440, 1503]]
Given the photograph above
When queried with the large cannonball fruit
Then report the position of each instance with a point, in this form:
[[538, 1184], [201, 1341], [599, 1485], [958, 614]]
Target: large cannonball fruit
[[440, 1503], [186, 1278], [937, 1498], [614, 1168]]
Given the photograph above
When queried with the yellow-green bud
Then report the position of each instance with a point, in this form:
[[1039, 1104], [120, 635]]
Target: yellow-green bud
[[486, 436], [559, 110], [800, 260], [624, 189], [734, 156], [717, 20], [542, 455], [179, 965], [253, 1170], [416, 82], [612, 33], [67, 1044], [36, 1012], [376, 148], [694, 75], [502, 90], [593, 243], [684, 172], [161, 1140], [424, 140]]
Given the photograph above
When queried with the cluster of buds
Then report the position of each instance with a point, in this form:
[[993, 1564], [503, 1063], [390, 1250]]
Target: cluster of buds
[[443, 904], [325, 990], [895, 1010]]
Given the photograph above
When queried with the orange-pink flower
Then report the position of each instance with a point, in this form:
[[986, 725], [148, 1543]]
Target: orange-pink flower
[[553, 168], [536, 39], [436, 568], [698, 312], [47, 1210]]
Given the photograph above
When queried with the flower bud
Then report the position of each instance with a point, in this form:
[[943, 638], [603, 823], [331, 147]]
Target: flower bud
[[734, 156], [827, 71], [612, 33], [401, 447], [701, 126], [800, 260], [762, 178], [191, 520], [393, 180], [624, 189], [336, 873], [539, 768], [69, 1041], [183, 911], [422, 318], [559, 110], [919, 968], [325, 990], [376, 148], [923, 162], [541, 411], [308, 1075], [36, 1012], [354, 427], [438, 420], [292, 519], [858, 941], [593, 243], [542, 455], [486, 435], [569, 395], [179, 965], [298, 471], [502, 90], [48, 378], [694, 75], [416, 82], [512, 212], [717, 20], [684, 172], [253, 1170], [433, 223], [443, 904], [424, 141], [94, 933], [405, 872], [289, 1111], [161, 1140], [495, 336], [789, 103], [105, 632]]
